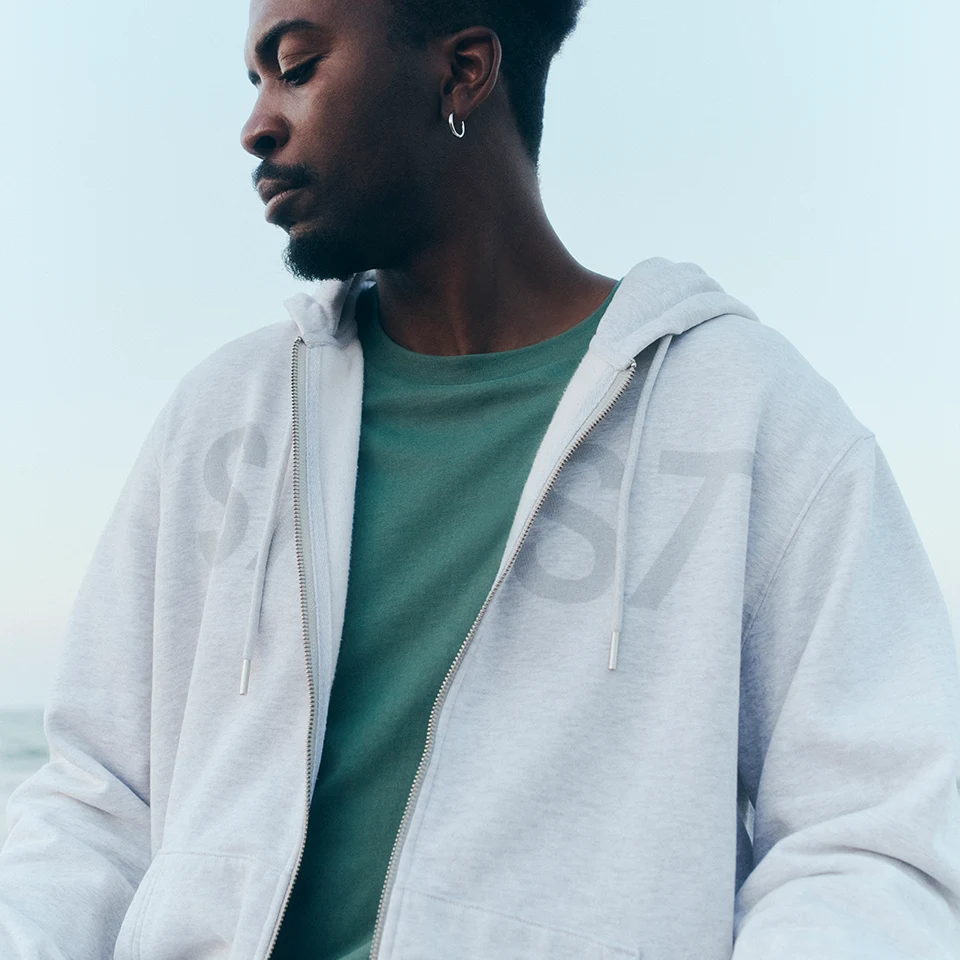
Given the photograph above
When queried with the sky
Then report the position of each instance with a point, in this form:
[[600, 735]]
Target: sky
[[804, 155]]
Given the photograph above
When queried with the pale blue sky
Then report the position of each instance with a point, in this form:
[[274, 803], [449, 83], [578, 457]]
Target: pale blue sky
[[804, 155]]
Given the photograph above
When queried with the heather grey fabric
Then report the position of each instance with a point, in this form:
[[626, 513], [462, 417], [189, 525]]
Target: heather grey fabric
[[783, 642]]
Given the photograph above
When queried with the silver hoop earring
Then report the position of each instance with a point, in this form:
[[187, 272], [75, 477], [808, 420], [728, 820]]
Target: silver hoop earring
[[453, 128]]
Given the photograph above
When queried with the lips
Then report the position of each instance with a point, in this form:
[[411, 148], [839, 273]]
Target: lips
[[275, 195], [268, 189]]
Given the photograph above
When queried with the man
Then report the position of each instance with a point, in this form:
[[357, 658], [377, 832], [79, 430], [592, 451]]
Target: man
[[534, 583]]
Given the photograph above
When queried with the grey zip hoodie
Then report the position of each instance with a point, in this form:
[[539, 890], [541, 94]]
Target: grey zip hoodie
[[713, 611]]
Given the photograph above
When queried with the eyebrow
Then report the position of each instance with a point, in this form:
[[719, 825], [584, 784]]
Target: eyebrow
[[273, 36]]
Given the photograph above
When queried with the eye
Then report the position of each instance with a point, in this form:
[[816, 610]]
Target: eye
[[299, 75]]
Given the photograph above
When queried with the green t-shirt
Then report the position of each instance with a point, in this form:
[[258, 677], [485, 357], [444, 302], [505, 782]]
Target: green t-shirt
[[446, 444]]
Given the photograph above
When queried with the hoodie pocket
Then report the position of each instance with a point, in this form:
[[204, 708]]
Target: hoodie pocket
[[430, 927], [204, 906], [130, 928]]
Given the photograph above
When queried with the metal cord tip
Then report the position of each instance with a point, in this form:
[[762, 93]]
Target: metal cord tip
[[614, 646]]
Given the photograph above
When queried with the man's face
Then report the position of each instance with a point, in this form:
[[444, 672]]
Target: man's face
[[347, 121]]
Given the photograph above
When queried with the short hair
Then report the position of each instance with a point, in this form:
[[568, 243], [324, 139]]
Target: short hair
[[531, 34]]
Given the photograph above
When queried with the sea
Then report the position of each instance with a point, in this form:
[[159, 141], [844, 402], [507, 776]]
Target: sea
[[23, 751]]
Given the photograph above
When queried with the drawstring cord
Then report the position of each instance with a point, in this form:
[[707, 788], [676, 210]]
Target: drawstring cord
[[623, 508], [260, 574]]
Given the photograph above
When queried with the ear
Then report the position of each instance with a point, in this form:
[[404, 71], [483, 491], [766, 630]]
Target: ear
[[473, 65]]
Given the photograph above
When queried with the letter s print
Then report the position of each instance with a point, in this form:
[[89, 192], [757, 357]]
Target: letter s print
[[216, 545], [586, 524]]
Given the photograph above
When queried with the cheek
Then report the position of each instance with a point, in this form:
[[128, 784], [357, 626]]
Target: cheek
[[342, 114], [366, 124]]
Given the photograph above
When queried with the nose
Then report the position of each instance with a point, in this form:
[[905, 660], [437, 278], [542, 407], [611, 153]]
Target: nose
[[264, 132]]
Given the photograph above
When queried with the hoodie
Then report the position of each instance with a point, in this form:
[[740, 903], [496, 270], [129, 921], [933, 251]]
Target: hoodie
[[710, 707]]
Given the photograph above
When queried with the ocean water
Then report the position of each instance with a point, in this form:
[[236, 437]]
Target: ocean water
[[23, 750]]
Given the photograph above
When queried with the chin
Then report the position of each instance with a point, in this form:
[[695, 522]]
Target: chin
[[315, 255]]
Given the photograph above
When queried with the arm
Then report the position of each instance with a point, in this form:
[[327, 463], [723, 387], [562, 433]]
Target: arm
[[79, 840], [850, 737]]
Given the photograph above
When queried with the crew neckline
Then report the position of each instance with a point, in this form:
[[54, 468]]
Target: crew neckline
[[389, 357]]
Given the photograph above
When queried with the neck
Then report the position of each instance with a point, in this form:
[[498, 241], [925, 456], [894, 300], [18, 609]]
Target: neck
[[498, 278]]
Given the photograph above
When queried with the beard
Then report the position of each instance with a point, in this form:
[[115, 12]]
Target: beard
[[317, 255], [379, 232]]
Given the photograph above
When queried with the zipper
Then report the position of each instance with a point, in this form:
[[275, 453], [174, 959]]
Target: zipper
[[305, 619], [448, 679]]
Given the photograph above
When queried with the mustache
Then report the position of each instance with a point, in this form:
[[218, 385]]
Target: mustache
[[296, 175]]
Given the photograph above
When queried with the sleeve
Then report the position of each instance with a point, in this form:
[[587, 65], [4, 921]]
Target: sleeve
[[849, 742], [79, 828]]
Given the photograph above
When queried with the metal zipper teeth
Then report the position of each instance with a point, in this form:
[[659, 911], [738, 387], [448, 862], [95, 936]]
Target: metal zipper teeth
[[304, 615], [447, 680]]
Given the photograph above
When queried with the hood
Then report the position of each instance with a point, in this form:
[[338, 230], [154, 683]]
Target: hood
[[327, 317], [657, 297]]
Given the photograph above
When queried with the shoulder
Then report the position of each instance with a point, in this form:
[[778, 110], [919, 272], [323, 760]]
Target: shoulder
[[244, 360], [243, 384], [752, 370], [754, 383]]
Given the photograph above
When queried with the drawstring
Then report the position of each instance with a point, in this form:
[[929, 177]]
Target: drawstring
[[260, 574], [629, 471]]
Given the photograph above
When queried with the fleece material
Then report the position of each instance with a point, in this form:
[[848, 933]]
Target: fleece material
[[446, 444], [713, 610]]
